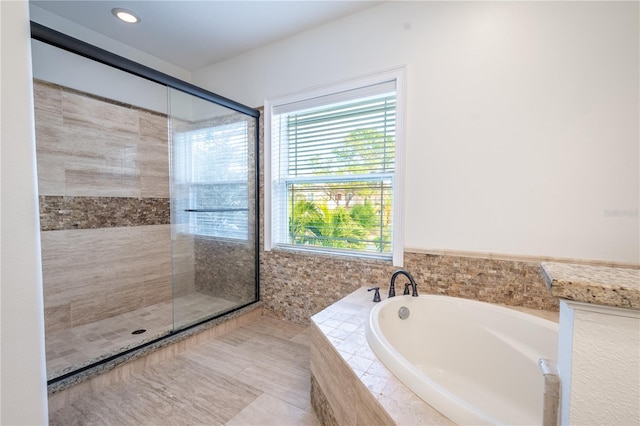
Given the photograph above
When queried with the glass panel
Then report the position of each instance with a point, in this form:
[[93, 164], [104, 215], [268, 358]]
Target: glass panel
[[122, 262], [212, 208], [103, 179], [344, 215]]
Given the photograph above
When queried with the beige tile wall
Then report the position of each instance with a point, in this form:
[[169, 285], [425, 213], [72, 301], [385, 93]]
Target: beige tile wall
[[104, 192], [183, 264], [87, 146], [110, 160], [91, 274]]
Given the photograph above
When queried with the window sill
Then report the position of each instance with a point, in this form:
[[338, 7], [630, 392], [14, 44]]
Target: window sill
[[335, 254]]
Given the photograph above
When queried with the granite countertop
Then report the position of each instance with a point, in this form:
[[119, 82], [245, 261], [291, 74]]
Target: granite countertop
[[599, 285]]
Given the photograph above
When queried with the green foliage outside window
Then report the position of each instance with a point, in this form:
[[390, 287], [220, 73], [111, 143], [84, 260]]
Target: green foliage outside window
[[347, 215]]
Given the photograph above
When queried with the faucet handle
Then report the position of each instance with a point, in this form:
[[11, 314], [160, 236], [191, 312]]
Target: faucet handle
[[376, 295], [406, 289]]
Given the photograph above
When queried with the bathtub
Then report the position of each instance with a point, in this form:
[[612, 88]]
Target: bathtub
[[474, 362]]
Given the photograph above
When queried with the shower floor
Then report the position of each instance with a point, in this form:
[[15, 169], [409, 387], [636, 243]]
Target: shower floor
[[70, 349]]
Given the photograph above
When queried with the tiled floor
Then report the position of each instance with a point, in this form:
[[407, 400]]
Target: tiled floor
[[74, 348], [257, 374]]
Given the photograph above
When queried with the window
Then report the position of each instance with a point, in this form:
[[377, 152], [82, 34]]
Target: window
[[334, 160], [210, 189]]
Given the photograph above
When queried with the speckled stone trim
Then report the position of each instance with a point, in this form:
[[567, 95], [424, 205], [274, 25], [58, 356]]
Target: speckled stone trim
[[600, 285], [59, 213]]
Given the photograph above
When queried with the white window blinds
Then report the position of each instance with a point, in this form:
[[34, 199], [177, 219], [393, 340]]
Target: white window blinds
[[210, 185]]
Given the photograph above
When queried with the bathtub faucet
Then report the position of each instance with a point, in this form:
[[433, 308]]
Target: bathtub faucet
[[392, 286]]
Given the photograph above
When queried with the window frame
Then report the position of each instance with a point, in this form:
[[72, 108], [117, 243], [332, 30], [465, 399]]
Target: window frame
[[397, 245]]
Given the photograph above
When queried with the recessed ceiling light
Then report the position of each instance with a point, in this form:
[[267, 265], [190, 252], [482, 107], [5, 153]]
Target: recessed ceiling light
[[125, 15]]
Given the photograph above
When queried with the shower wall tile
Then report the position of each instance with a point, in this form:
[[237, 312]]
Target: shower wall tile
[[48, 101], [183, 264], [103, 177], [95, 273], [153, 169], [225, 269], [57, 317], [89, 146], [101, 180], [153, 154], [80, 111], [153, 126]]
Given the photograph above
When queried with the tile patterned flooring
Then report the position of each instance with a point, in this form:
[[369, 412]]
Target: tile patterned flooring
[[70, 349], [257, 374]]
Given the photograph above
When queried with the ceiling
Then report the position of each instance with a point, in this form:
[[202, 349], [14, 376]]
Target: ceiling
[[194, 34]]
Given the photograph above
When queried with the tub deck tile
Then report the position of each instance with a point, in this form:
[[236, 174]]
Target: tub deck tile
[[345, 364]]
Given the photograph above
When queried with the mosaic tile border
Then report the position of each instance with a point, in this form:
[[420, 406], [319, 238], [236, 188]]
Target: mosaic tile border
[[295, 285], [59, 213]]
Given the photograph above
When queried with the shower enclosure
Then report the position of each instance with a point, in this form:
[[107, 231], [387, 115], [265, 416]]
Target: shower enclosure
[[148, 203]]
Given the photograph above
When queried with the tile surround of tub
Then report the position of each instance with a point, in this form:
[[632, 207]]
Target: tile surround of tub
[[350, 379], [351, 385], [508, 282], [321, 406], [297, 285]]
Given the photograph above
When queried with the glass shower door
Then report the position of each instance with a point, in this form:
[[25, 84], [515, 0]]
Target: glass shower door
[[212, 208], [137, 245]]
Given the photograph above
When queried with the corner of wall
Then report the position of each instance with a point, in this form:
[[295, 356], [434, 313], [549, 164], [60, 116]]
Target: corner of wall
[[24, 397]]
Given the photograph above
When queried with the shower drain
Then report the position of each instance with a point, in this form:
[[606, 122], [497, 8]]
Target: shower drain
[[138, 331]]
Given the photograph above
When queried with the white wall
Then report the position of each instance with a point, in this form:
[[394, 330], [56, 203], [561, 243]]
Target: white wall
[[67, 69], [22, 374], [599, 364], [87, 35], [522, 117], [70, 70]]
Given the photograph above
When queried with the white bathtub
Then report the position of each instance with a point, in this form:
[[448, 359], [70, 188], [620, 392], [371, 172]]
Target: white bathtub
[[475, 362]]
